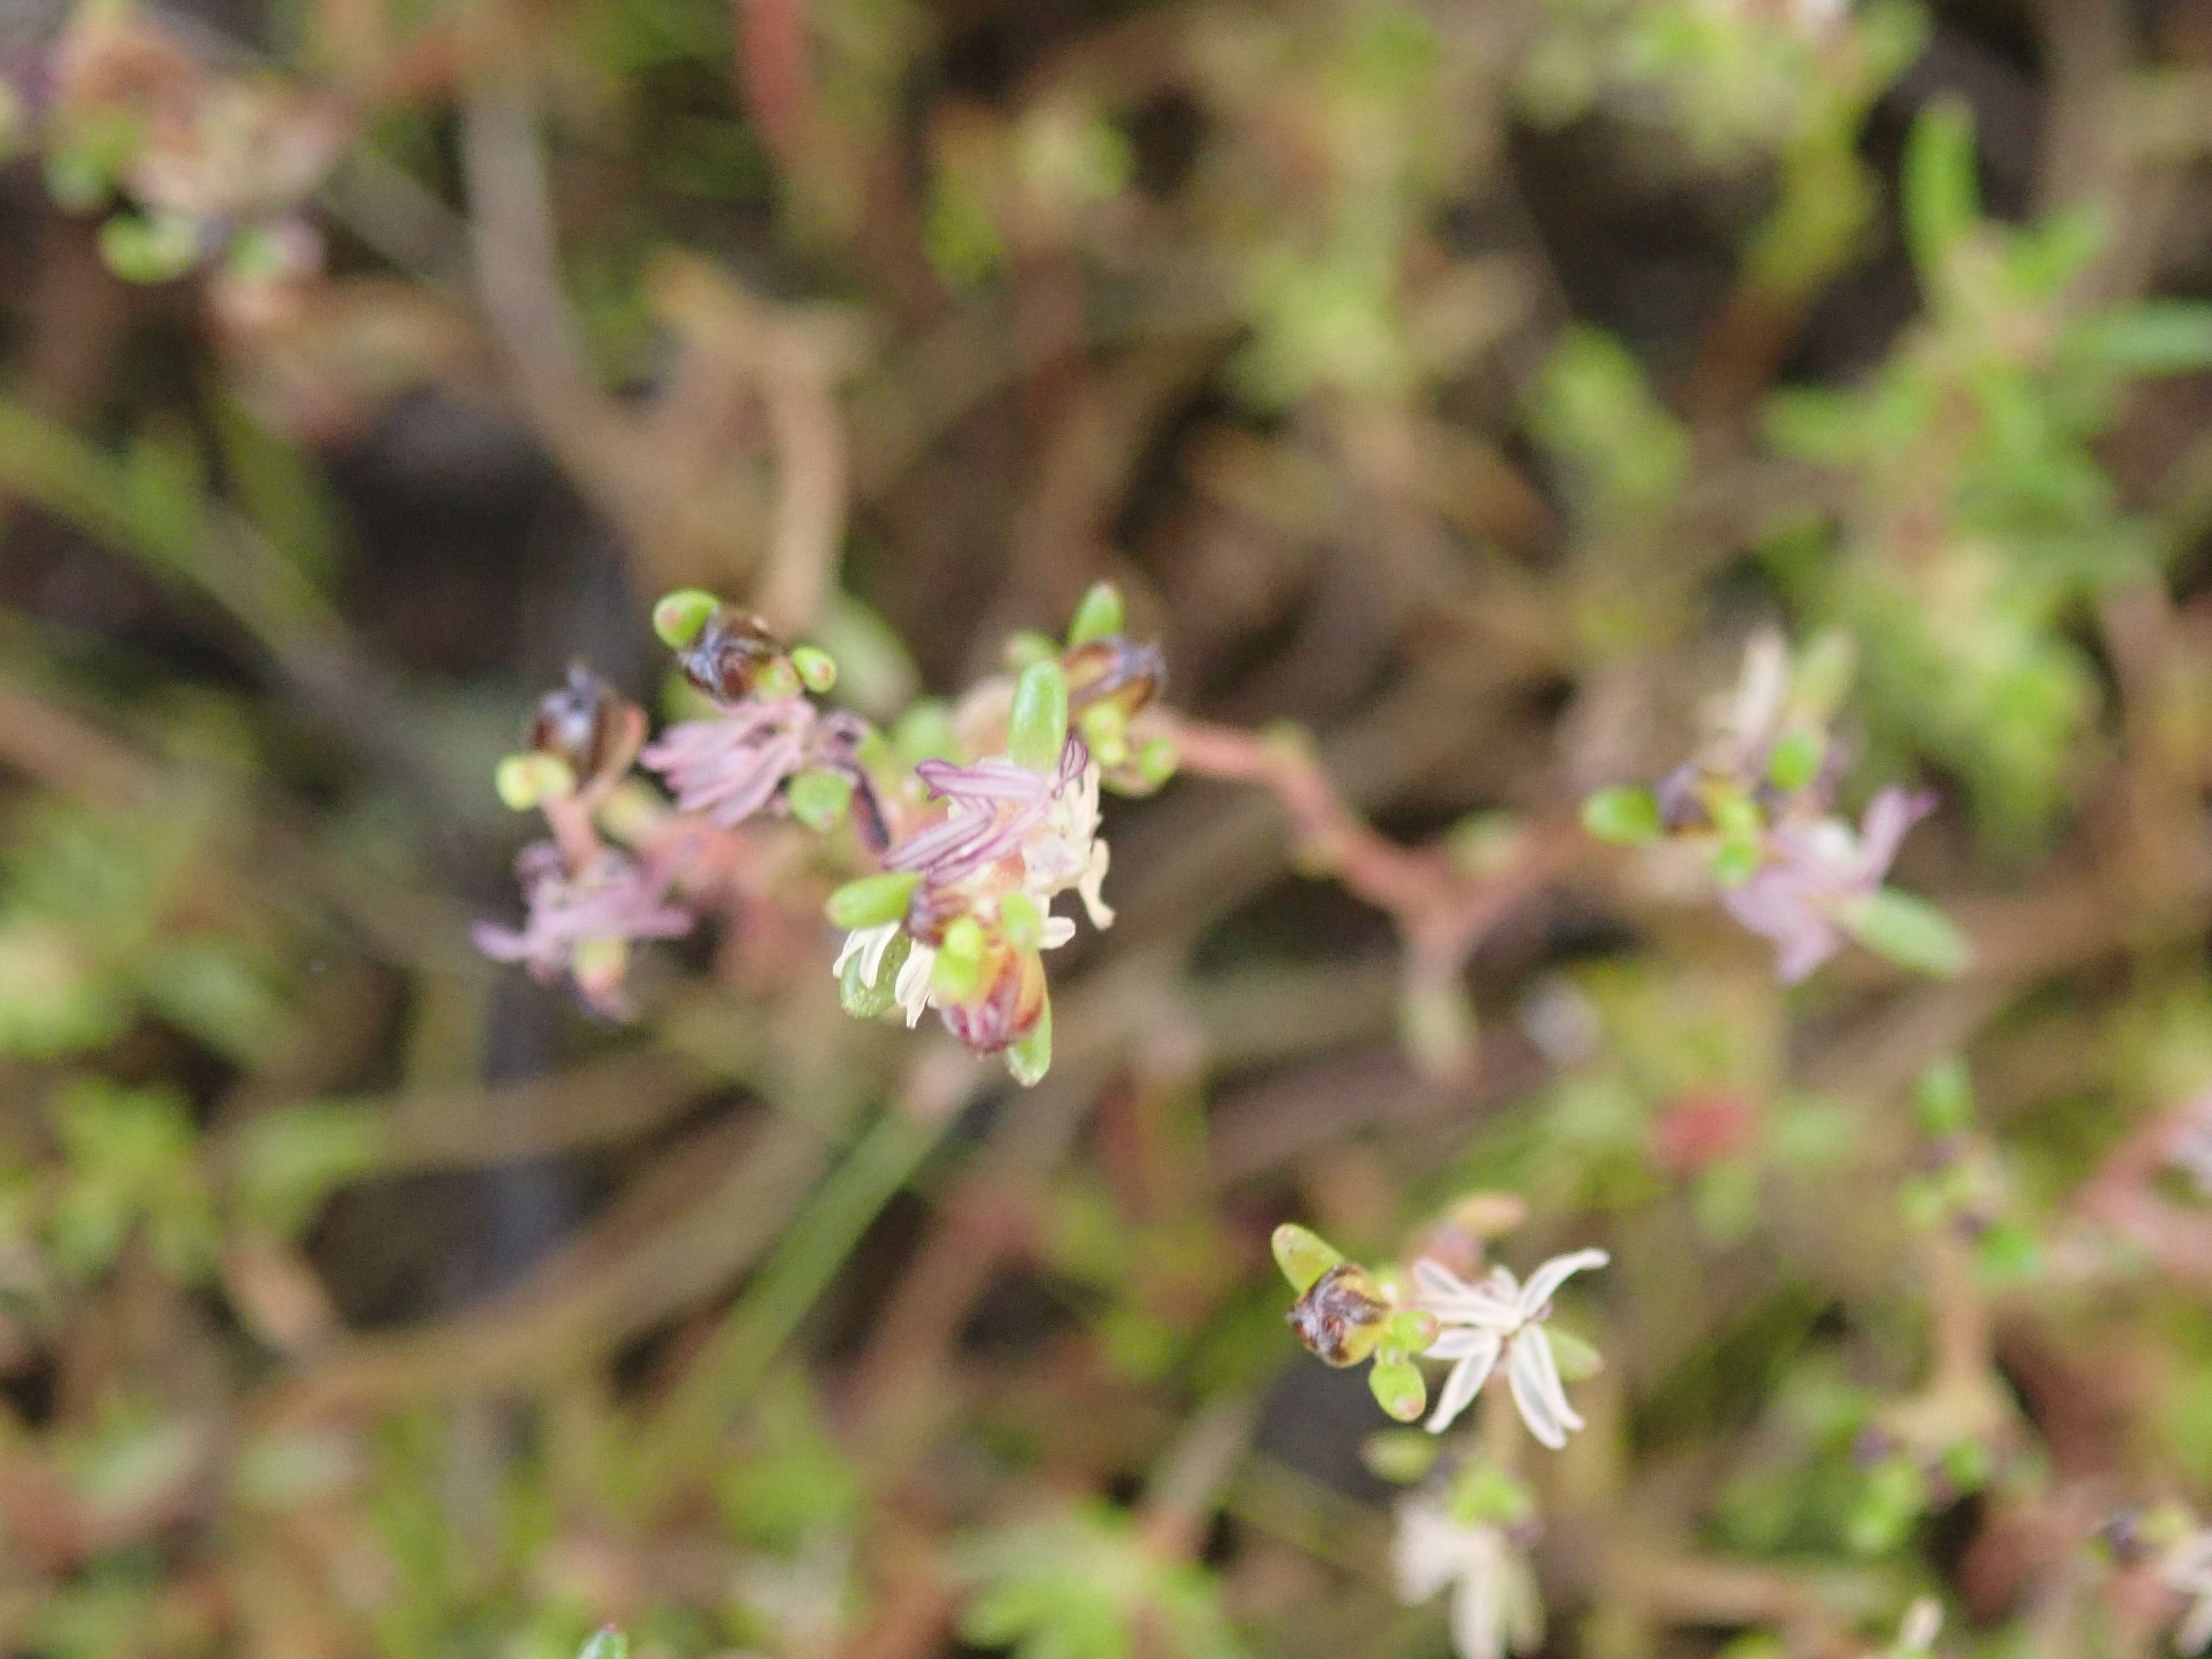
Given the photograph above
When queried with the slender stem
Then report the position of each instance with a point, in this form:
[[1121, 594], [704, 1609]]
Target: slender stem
[[814, 1246]]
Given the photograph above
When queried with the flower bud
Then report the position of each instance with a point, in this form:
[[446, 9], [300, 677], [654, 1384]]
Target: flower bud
[[1100, 613], [1304, 1256], [819, 799], [1005, 1000], [680, 616], [1114, 671], [1342, 1316], [1030, 1057], [726, 650], [873, 899], [1037, 730], [775, 680], [1157, 762], [581, 724], [1397, 1386], [527, 780], [816, 667]]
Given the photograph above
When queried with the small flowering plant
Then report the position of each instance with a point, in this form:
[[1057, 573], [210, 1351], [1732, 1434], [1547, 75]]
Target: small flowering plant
[[955, 834], [1755, 807], [1469, 1521], [1347, 1315]]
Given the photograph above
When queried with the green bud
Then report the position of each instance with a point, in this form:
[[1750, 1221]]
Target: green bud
[[1157, 762], [1038, 730], [680, 616], [1023, 920], [924, 731], [605, 1643], [1398, 1388], [864, 1000], [1736, 862], [774, 679], [1943, 1098], [1413, 1329], [1796, 760], [1576, 1359], [1626, 816], [1304, 1256], [1402, 1456], [815, 666], [819, 799], [527, 780], [1029, 647], [1106, 729], [873, 899], [1909, 930], [1031, 1056], [960, 967], [1098, 616], [149, 248]]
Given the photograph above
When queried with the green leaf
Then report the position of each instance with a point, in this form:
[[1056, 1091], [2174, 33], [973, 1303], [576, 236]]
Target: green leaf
[[1942, 194], [605, 1643], [1037, 730], [1626, 816], [873, 899], [1909, 930], [1030, 1057], [1099, 614], [2162, 336]]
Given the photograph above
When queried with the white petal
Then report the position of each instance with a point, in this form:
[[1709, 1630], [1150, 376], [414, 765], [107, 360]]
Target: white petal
[[1467, 1377], [853, 942], [912, 991], [1454, 1301], [1534, 1376], [1088, 886], [1057, 930], [1427, 1551], [1478, 1625], [1548, 1278]]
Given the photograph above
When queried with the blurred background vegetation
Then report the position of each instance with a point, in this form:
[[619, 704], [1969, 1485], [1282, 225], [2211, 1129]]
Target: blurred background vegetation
[[1463, 381]]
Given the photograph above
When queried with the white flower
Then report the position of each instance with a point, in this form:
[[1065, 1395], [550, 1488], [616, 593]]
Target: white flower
[[2188, 1568], [1495, 1608], [1502, 1316]]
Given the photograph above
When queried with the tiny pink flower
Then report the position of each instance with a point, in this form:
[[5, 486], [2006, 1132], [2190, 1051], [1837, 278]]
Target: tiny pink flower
[[581, 924], [731, 766], [1813, 870]]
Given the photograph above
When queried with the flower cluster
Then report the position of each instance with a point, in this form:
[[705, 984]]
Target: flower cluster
[[1470, 1525], [956, 832], [1755, 806], [212, 164]]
